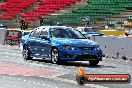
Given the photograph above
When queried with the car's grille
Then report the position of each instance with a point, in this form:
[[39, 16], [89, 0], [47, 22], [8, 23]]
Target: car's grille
[[86, 57], [86, 48]]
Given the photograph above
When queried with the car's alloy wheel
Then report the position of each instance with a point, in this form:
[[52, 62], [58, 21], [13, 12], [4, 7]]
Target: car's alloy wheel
[[26, 54], [54, 56], [93, 63]]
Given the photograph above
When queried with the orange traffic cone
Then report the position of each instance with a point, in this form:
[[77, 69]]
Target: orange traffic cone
[[81, 71]]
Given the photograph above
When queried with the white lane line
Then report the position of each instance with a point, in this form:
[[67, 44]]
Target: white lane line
[[38, 83], [44, 84], [26, 75], [48, 85], [10, 77], [74, 82], [13, 74], [31, 82], [95, 86], [55, 87], [34, 82], [24, 80], [54, 77]]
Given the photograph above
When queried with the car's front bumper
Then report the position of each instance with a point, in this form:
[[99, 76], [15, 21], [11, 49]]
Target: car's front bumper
[[79, 55]]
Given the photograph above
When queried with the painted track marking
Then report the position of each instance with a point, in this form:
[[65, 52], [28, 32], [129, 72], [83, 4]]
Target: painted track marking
[[51, 86], [74, 82], [12, 69]]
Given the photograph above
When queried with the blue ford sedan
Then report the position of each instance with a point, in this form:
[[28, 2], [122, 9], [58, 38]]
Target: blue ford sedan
[[59, 44]]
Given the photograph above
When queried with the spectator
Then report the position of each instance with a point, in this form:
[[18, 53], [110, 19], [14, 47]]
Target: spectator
[[23, 24], [41, 21]]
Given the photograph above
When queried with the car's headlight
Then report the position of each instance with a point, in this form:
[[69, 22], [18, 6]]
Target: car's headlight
[[67, 47], [98, 49]]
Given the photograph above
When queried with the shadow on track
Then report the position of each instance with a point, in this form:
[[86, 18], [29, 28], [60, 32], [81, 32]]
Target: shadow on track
[[70, 63], [85, 64]]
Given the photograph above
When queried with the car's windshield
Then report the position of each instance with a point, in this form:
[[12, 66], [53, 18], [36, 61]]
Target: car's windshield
[[66, 33], [90, 30]]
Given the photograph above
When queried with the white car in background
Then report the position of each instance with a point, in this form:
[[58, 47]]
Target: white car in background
[[25, 32], [89, 31]]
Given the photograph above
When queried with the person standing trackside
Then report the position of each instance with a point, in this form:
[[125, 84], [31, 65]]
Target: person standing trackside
[[41, 21], [23, 24], [86, 20]]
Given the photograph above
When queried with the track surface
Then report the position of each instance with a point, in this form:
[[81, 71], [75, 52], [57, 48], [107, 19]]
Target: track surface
[[18, 73]]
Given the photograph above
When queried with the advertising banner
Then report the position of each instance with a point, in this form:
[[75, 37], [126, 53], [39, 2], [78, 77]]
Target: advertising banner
[[13, 37]]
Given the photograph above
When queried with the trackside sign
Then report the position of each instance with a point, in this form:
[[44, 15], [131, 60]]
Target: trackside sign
[[13, 37]]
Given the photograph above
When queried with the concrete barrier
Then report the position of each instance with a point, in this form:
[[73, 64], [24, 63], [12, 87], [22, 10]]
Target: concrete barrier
[[2, 33], [115, 47]]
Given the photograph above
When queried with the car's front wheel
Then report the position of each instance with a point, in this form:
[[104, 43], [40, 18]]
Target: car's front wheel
[[26, 53], [93, 63], [55, 56]]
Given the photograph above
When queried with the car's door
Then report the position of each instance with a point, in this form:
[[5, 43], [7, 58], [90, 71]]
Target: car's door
[[32, 42], [44, 44]]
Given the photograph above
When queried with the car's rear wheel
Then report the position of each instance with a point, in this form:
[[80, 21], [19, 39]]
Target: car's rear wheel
[[55, 56], [26, 53], [93, 63]]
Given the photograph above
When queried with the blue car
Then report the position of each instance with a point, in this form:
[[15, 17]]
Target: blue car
[[59, 44]]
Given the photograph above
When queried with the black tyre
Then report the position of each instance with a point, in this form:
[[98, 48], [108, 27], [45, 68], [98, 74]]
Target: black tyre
[[93, 63], [80, 80], [26, 53], [55, 56]]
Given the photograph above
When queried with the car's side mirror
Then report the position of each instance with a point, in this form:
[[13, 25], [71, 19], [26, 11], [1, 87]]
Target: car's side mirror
[[44, 37]]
